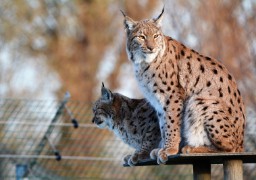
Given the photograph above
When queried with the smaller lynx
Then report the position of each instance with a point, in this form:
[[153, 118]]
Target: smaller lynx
[[132, 120]]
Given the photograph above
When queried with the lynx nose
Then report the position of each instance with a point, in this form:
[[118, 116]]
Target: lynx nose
[[150, 47]]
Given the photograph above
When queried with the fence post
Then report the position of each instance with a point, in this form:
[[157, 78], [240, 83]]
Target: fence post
[[233, 170], [202, 171]]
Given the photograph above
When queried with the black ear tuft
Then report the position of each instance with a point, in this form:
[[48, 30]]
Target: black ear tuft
[[129, 23], [159, 19], [106, 94], [123, 13]]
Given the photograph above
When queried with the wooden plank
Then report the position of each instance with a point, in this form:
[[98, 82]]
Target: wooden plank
[[233, 170], [210, 158], [201, 171]]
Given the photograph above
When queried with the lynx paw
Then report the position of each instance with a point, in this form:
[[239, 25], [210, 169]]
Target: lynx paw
[[126, 158], [164, 153], [162, 157], [154, 153], [186, 149], [131, 160]]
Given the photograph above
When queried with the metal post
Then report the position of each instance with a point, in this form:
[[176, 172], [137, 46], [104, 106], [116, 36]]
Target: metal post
[[47, 134], [202, 171], [21, 170], [233, 170]]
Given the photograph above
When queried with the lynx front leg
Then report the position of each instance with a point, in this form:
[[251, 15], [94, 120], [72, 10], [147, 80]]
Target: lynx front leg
[[154, 152], [172, 121]]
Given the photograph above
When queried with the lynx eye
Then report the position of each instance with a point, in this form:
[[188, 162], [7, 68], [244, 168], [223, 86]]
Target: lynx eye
[[142, 37], [156, 36]]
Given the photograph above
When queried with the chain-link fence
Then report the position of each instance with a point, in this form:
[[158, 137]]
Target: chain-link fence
[[56, 140]]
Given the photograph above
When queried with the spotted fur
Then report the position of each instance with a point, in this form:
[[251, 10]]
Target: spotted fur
[[195, 96], [132, 120]]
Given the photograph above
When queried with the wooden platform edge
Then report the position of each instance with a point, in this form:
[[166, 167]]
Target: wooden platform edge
[[211, 158]]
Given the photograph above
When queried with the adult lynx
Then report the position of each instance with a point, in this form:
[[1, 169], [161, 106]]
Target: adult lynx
[[133, 120], [195, 95]]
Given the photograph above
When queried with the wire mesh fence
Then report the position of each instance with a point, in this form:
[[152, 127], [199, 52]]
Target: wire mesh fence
[[56, 140]]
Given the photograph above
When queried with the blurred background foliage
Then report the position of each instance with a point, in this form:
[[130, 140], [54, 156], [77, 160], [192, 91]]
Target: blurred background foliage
[[48, 47], [63, 44]]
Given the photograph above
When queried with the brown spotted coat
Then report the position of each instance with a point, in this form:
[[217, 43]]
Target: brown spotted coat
[[196, 98], [134, 121]]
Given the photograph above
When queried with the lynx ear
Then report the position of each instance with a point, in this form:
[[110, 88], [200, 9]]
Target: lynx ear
[[159, 19], [106, 94], [129, 23]]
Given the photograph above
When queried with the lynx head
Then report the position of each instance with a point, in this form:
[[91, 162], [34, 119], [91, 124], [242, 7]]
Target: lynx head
[[103, 111], [145, 40]]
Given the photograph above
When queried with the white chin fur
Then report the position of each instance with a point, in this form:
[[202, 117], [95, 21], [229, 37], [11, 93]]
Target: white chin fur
[[140, 57], [150, 57]]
